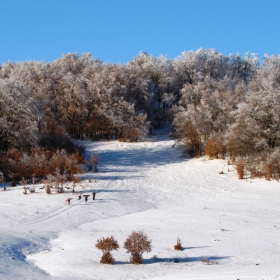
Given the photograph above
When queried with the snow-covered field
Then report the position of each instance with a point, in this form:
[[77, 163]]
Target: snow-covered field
[[234, 225]]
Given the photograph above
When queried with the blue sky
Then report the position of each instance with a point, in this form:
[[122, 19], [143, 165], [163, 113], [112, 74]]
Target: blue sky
[[117, 30]]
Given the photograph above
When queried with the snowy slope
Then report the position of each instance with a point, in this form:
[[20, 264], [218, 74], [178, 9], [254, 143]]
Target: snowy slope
[[233, 224]]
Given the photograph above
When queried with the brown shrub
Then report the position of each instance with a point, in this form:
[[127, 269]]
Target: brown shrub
[[48, 189], [32, 190], [240, 168], [267, 173], [106, 245], [36, 164], [76, 180], [178, 246], [271, 166], [107, 258], [136, 244], [215, 147]]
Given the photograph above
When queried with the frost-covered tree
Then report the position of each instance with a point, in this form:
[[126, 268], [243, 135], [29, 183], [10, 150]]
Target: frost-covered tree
[[206, 95], [256, 127], [17, 120]]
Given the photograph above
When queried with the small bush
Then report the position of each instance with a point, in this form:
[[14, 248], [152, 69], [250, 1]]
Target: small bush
[[136, 244], [106, 245], [32, 190], [272, 165], [240, 168], [107, 258], [215, 147], [48, 189], [178, 246]]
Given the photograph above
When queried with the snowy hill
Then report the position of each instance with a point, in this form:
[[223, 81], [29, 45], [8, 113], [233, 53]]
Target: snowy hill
[[229, 228]]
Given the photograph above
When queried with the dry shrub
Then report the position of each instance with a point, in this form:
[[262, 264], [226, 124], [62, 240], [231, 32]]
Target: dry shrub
[[241, 143], [136, 244], [256, 170], [32, 190], [240, 168], [178, 246], [267, 174], [188, 132], [265, 165], [48, 189], [272, 165], [76, 180], [37, 164], [107, 258], [215, 147], [106, 245]]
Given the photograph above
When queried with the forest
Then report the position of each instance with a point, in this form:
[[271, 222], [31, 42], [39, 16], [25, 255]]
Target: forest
[[218, 105]]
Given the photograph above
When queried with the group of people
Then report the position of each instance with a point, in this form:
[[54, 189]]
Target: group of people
[[80, 196]]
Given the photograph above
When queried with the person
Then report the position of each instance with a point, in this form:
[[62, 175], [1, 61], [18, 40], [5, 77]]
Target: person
[[68, 200], [93, 195]]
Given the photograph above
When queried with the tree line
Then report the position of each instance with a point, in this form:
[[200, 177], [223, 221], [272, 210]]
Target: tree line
[[216, 104]]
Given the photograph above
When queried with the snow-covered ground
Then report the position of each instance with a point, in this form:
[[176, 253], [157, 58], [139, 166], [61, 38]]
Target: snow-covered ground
[[234, 225]]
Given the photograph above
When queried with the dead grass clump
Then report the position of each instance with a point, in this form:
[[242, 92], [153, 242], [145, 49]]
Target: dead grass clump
[[178, 246], [240, 168], [207, 262], [267, 173]]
